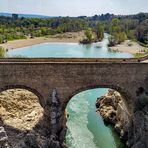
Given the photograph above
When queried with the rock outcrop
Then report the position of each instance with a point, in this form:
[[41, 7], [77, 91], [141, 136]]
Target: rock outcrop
[[133, 128], [138, 129], [3, 138], [25, 124], [20, 108], [113, 110]]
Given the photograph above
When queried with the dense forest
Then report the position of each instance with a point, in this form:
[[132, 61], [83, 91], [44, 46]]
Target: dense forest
[[121, 27]]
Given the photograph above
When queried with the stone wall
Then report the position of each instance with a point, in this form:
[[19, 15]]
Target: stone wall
[[73, 77]]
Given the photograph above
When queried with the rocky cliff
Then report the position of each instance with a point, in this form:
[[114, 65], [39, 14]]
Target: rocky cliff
[[25, 124], [133, 128], [113, 110]]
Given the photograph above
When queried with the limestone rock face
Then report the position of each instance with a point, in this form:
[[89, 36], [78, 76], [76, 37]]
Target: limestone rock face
[[113, 110], [3, 138], [27, 124], [138, 131], [20, 108], [133, 128]]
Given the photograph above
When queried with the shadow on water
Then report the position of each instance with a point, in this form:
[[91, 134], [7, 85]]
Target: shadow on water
[[112, 51], [118, 142], [87, 46]]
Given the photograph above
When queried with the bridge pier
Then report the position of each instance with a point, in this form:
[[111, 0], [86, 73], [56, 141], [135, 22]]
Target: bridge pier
[[57, 121]]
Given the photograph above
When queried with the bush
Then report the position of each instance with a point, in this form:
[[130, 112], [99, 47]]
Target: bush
[[117, 38], [112, 41], [99, 30], [1, 39], [89, 34], [2, 52]]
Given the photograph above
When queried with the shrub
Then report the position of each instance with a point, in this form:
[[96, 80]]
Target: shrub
[[2, 52]]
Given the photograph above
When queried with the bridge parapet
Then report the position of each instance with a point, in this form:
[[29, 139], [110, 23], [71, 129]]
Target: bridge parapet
[[112, 60]]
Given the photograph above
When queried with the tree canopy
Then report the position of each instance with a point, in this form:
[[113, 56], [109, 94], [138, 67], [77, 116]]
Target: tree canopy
[[121, 27]]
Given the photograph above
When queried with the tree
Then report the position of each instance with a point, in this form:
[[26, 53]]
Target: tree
[[1, 39], [116, 32], [115, 26], [2, 52], [122, 37], [89, 34], [99, 31], [112, 41], [142, 32]]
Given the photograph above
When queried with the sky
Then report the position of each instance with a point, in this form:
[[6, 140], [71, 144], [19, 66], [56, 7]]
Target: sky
[[73, 7]]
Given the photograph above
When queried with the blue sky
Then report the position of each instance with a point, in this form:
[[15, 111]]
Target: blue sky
[[74, 7]]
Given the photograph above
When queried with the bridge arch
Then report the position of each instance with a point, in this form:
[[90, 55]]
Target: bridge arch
[[80, 110], [124, 93], [21, 111], [34, 91]]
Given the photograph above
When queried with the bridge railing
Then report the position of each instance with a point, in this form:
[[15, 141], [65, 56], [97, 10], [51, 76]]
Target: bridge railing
[[112, 60]]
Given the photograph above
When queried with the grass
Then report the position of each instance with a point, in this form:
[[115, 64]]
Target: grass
[[142, 44], [140, 55]]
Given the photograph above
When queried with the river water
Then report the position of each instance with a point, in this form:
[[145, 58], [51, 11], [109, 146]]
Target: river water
[[85, 127], [67, 50]]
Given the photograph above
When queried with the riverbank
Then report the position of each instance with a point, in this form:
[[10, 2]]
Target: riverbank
[[129, 47], [71, 37]]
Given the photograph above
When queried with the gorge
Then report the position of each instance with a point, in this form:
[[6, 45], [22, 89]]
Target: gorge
[[60, 73]]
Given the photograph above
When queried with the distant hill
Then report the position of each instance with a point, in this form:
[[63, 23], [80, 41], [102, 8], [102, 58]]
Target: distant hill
[[105, 17], [102, 17], [25, 15]]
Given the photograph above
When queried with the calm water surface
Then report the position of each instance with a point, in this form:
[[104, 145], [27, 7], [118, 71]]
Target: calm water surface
[[85, 127]]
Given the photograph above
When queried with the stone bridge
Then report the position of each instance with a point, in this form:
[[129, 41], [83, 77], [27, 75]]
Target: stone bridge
[[71, 76]]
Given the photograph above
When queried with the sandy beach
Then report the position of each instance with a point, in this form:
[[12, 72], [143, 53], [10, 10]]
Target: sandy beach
[[65, 37], [129, 47]]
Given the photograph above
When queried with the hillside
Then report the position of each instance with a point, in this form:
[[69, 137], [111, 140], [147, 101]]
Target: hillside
[[25, 15]]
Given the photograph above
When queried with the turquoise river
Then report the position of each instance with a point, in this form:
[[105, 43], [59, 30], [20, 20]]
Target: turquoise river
[[86, 128]]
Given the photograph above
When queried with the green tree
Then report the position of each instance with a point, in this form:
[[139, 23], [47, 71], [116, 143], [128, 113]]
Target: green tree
[[99, 31], [1, 39], [2, 52], [89, 34], [115, 26], [118, 35], [122, 37]]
